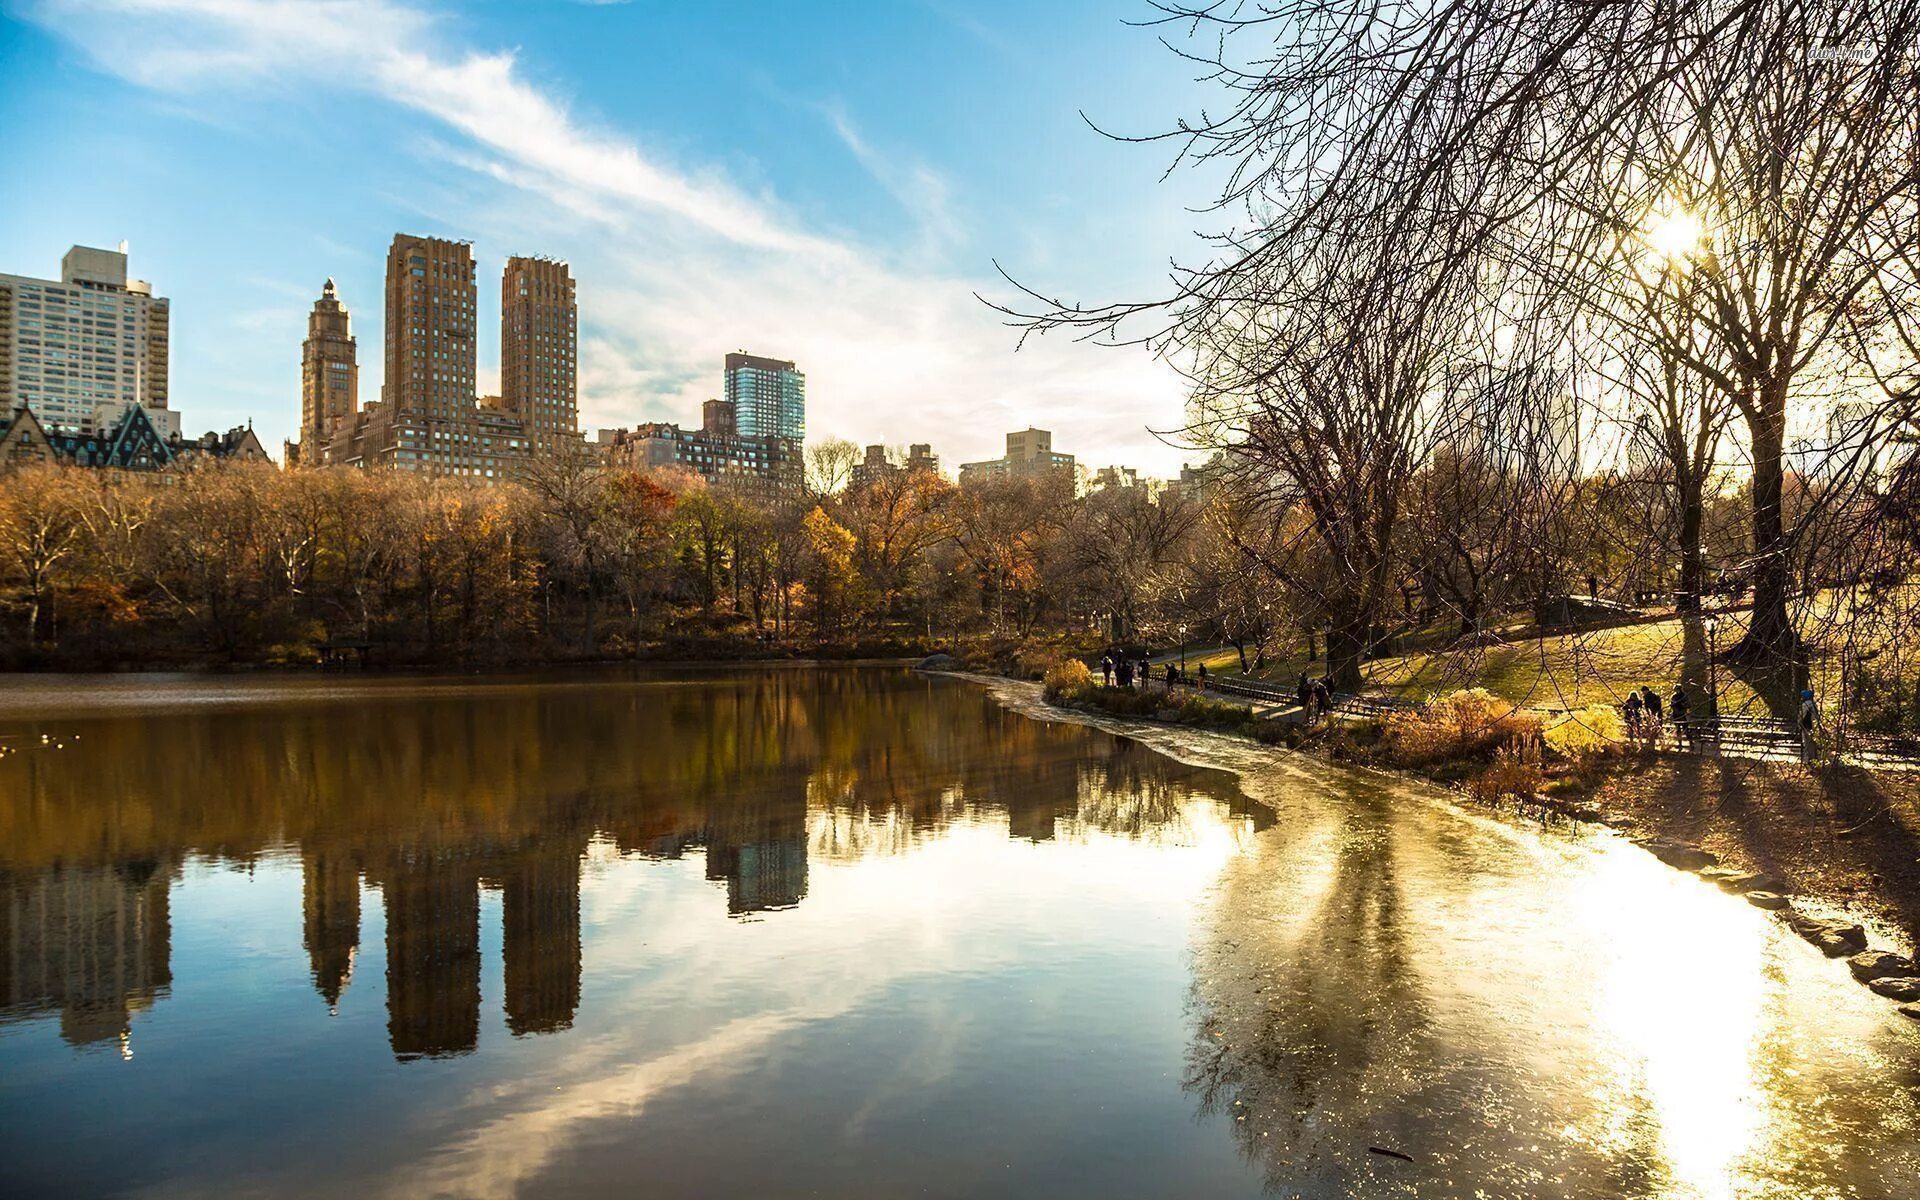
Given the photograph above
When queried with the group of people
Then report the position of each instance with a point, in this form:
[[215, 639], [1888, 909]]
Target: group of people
[[1646, 715], [1126, 670]]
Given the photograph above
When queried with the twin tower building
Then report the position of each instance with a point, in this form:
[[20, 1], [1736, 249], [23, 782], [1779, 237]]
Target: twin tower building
[[429, 417]]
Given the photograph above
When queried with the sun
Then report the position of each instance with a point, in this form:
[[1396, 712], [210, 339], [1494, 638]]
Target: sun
[[1673, 233]]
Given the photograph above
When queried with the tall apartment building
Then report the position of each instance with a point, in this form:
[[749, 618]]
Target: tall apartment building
[[428, 418], [769, 395], [329, 371], [1029, 453], [539, 339], [80, 349], [430, 331]]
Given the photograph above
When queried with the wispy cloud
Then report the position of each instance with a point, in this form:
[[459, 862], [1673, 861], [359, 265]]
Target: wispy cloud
[[677, 263]]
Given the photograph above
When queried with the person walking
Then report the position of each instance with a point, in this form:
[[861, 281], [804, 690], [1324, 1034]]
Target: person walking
[[1203, 677], [1126, 674], [1651, 700], [1809, 719], [1323, 698], [1106, 670], [1681, 706], [1303, 692], [1631, 710], [1593, 586]]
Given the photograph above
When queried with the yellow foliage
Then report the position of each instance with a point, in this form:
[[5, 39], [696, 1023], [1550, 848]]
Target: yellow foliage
[[1590, 730], [1066, 678], [1465, 723]]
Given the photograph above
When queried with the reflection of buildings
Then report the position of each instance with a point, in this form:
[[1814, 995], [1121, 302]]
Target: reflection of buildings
[[330, 906], [91, 942], [768, 872], [768, 775], [540, 940], [433, 953]]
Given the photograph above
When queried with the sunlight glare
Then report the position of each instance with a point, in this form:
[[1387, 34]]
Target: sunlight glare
[[1674, 234]]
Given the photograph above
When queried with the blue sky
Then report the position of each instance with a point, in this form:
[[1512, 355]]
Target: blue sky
[[823, 181]]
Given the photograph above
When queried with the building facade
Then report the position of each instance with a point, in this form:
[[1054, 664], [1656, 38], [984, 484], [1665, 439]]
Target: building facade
[[1029, 453], [85, 345], [329, 371], [717, 452], [876, 466], [769, 395], [539, 342], [428, 418], [134, 442]]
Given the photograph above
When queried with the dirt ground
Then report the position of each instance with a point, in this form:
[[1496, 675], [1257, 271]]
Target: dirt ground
[[1841, 834]]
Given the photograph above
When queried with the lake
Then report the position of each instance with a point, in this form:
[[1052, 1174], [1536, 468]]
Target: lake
[[859, 932]]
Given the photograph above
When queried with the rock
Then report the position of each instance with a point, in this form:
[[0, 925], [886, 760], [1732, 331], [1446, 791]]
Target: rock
[[1896, 988], [938, 662], [1836, 939], [1733, 880], [1869, 965], [1767, 900], [1679, 854], [1910, 1010]]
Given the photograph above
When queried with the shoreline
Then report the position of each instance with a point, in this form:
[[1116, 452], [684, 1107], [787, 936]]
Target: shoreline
[[1835, 920]]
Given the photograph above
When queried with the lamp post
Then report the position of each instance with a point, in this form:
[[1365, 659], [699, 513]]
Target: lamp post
[[1713, 679], [1183, 651]]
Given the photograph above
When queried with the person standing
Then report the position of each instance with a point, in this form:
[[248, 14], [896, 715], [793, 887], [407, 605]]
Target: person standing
[[1323, 698], [1631, 710], [1304, 693], [1681, 706], [1126, 673], [1809, 719], [1106, 670], [1593, 586], [1203, 677], [1651, 700]]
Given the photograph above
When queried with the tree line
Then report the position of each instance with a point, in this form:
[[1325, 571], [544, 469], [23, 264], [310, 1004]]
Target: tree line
[[1490, 271]]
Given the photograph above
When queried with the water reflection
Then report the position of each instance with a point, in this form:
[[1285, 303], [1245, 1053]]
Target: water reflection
[[436, 797], [1522, 1016]]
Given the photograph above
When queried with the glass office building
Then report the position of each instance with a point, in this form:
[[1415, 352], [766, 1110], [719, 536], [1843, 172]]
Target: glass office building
[[769, 397]]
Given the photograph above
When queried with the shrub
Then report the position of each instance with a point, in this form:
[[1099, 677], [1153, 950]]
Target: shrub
[[1066, 679], [1585, 732], [1468, 723], [1515, 772], [1034, 662]]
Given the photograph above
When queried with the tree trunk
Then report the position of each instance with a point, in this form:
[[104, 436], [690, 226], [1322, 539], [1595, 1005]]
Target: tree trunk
[[1770, 639], [1693, 560], [1346, 651]]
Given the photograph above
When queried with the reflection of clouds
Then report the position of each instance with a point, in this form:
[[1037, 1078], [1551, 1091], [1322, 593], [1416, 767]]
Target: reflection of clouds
[[697, 999], [496, 1156]]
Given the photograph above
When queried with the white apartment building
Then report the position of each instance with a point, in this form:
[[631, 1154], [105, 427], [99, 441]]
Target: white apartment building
[[83, 346]]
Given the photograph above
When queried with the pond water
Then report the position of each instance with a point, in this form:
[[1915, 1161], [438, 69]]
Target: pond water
[[858, 932]]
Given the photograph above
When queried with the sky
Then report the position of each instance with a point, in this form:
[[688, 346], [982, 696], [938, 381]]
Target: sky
[[831, 182]]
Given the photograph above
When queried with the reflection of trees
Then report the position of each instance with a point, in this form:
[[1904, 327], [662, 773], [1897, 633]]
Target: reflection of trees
[[1309, 1018], [432, 796]]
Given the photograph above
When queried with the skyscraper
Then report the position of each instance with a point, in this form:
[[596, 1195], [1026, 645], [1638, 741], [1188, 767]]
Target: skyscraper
[[769, 395], [539, 339], [329, 372], [80, 349], [430, 333]]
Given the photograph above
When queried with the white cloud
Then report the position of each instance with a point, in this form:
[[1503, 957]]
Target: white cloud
[[676, 265]]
